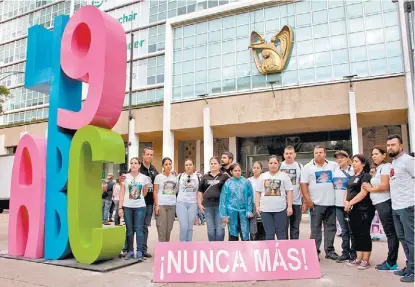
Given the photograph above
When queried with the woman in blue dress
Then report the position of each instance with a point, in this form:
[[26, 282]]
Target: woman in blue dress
[[236, 203]]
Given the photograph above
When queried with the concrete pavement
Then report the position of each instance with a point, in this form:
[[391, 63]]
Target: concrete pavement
[[22, 273]]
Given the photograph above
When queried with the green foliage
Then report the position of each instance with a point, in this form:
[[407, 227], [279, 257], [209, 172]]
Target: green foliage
[[4, 96]]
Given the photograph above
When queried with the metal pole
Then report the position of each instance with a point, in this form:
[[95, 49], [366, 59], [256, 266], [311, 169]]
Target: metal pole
[[130, 93]]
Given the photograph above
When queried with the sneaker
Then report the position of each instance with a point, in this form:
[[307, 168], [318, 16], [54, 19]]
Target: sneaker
[[332, 256], [386, 267], [139, 256], [107, 223], [364, 265], [129, 255], [344, 257], [146, 254], [354, 263], [401, 272], [408, 278]]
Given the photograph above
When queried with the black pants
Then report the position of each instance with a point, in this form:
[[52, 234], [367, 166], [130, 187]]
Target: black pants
[[292, 228], [360, 222], [325, 215], [385, 215]]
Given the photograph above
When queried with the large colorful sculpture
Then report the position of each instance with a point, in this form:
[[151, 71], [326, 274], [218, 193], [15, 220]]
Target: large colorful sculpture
[[63, 213]]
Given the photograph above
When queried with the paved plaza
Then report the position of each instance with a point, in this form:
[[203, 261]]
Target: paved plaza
[[18, 273]]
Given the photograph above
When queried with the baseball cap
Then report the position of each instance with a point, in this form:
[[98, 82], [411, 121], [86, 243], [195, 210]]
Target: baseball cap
[[341, 152]]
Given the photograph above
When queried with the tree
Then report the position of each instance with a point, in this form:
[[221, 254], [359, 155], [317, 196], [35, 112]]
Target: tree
[[4, 96]]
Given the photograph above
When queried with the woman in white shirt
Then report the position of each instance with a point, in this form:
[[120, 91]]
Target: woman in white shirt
[[274, 200], [165, 200], [381, 199], [186, 207], [133, 207], [256, 184]]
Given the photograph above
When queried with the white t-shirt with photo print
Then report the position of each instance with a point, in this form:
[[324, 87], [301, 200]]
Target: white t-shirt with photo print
[[340, 184], [320, 182], [133, 190], [293, 171], [273, 191], [167, 189], [188, 187]]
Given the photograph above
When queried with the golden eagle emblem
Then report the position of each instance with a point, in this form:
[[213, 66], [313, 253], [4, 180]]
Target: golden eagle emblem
[[272, 57]]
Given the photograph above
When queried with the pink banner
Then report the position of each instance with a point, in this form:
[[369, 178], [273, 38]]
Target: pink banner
[[235, 261]]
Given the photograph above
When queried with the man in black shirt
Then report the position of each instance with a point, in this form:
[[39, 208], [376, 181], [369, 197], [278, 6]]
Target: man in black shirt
[[149, 170], [226, 162]]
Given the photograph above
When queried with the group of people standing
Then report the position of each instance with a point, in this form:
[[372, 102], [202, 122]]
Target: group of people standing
[[274, 202]]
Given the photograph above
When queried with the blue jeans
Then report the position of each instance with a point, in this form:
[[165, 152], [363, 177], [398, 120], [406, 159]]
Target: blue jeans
[[404, 226], [186, 212], [274, 223], [134, 221], [214, 224], [106, 205]]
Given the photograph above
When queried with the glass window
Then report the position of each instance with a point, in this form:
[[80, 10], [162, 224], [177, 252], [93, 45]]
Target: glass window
[[244, 83], [189, 30], [214, 87], [228, 21], [188, 79], [272, 13], [340, 56], [321, 30], [188, 92], [338, 42], [391, 19], [258, 82], [392, 34], [229, 85], [214, 49], [201, 89], [188, 54], [288, 21], [322, 59], [354, 10], [360, 69], [320, 17], [201, 27], [292, 63], [305, 47], [228, 46], [188, 66], [301, 7], [378, 67], [306, 76], [242, 19], [201, 77], [322, 44], [287, 10], [303, 33], [336, 13], [228, 59], [393, 49], [201, 39], [177, 56], [214, 62], [304, 19], [323, 74], [358, 54], [201, 52], [374, 36], [357, 39], [395, 65], [374, 22], [272, 25], [201, 64], [355, 25], [372, 6], [290, 78], [243, 70], [376, 52], [242, 31], [389, 5], [215, 36], [215, 24], [338, 28], [306, 61], [242, 44], [189, 42], [318, 5], [229, 33], [228, 72], [243, 57], [339, 71]]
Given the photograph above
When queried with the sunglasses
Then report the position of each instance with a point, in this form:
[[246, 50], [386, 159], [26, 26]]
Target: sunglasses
[[188, 179]]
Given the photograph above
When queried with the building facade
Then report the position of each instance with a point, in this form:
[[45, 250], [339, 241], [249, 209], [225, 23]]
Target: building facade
[[197, 91]]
